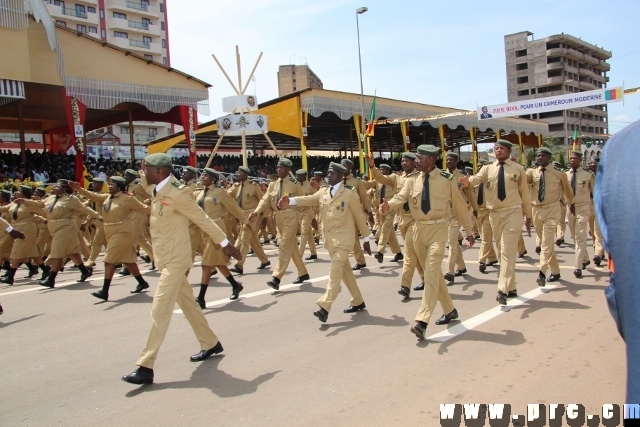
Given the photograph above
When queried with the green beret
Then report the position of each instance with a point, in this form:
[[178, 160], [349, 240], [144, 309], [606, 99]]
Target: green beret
[[131, 172], [544, 150], [504, 143], [117, 179], [244, 169], [577, 153], [347, 161], [409, 155], [338, 167], [42, 188], [301, 172], [285, 162], [98, 180], [428, 149], [557, 164], [63, 182], [483, 162], [212, 172], [468, 169], [318, 173], [385, 166], [192, 170], [5, 193], [452, 154], [26, 188], [158, 160]]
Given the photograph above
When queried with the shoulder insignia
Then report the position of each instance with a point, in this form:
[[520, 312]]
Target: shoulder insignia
[[447, 175], [293, 180], [178, 185], [137, 181], [349, 187]]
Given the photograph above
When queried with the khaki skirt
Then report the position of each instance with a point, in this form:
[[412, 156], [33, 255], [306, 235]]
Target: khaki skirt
[[27, 248], [212, 254], [121, 239], [64, 237]]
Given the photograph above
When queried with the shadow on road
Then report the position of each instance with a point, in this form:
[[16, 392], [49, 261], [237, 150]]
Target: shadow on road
[[307, 287], [508, 338], [239, 306], [475, 295], [534, 305], [363, 318], [145, 298], [208, 376], [4, 325]]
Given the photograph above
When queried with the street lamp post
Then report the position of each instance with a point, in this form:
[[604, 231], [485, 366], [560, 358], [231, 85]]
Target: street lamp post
[[360, 11]]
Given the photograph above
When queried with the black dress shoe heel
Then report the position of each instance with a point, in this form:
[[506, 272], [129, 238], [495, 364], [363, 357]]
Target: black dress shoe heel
[[236, 291], [310, 257], [541, 280], [274, 283], [101, 294], [404, 291], [141, 287], [85, 276], [420, 287], [359, 267], [379, 257], [459, 273], [449, 278], [482, 267], [512, 294], [554, 278], [301, 279], [354, 308], [237, 269], [140, 376], [202, 303], [321, 314], [264, 265], [446, 318], [419, 329], [205, 354], [501, 298], [399, 257], [577, 273]]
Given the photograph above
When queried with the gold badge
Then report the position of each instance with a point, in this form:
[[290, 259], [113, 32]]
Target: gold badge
[[415, 201]]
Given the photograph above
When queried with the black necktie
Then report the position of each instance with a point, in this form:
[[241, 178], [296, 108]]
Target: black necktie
[[55, 200], [344, 180], [240, 194], [202, 197], [15, 212], [107, 206], [279, 189], [502, 190], [426, 201], [155, 192], [383, 192], [542, 185], [574, 181], [481, 194], [331, 191]]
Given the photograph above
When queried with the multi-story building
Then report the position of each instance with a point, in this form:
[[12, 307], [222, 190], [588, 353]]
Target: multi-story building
[[139, 26], [292, 78], [557, 65]]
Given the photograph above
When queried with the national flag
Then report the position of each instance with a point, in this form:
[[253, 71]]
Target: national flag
[[575, 137], [613, 94], [372, 118]]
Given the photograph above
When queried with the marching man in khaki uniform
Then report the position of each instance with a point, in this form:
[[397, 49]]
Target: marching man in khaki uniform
[[248, 195], [286, 222], [582, 183], [507, 198], [455, 263], [189, 175], [308, 220], [548, 185], [172, 208], [342, 218], [433, 197], [139, 219], [487, 254]]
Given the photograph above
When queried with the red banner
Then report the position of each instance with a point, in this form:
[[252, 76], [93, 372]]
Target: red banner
[[189, 119], [75, 111]]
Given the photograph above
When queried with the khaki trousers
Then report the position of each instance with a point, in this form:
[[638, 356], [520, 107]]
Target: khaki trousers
[[306, 232], [388, 235], [99, 240], [562, 224], [411, 260], [486, 253], [597, 240], [248, 238], [579, 226], [429, 244], [454, 260], [545, 221], [173, 287], [507, 230], [140, 222], [340, 270], [195, 236], [287, 223], [357, 251]]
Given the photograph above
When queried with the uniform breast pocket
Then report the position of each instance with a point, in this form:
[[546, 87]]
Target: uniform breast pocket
[[415, 198], [439, 201]]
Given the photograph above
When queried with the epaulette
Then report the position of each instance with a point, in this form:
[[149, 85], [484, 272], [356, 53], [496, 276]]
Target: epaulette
[[293, 180], [177, 184], [349, 187], [447, 175], [137, 181]]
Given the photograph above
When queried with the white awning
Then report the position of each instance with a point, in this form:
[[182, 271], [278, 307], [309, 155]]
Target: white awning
[[11, 89]]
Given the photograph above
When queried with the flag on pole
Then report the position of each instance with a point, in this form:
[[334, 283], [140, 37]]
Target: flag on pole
[[575, 136], [372, 118]]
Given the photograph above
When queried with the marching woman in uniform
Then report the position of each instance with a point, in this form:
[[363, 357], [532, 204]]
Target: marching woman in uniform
[[10, 233], [6, 242], [24, 219], [215, 201], [60, 212], [119, 231]]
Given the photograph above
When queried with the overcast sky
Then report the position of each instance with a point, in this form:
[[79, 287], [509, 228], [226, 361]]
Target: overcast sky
[[448, 53]]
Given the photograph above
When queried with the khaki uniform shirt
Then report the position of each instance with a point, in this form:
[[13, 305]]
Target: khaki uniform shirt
[[122, 204], [585, 183], [555, 186], [361, 190], [390, 183], [247, 194], [281, 187], [218, 203]]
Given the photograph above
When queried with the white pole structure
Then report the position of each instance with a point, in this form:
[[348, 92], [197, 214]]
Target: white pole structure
[[361, 139], [214, 151]]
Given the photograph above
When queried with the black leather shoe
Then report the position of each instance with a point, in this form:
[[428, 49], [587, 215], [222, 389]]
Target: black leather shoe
[[538, 249], [522, 254], [446, 318], [419, 329], [214, 272], [85, 276], [492, 263], [399, 257], [146, 258], [542, 279], [153, 266], [554, 278], [201, 302], [577, 273], [32, 272], [354, 308], [378, 256], [274, 283], [237, 269], [449, 278], [310, 257], [265, 265], [45, 273], [597, 260], [205, 354], [301, 279], [512, 294], [1, 309], [404, 291], [46, 283], [141, 287], [6, 280], [236, 291], [559, 242], [321, 314], [124, 272], [459, 242], [317, 241], [420, 287], [459, 273], [101, 294], [501, 298], [359, 267], [251, 252], [141, 375], [584, 264], [482, 267]]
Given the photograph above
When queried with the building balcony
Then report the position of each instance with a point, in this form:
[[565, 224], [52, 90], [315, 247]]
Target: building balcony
[[144, 28], [556, 66], [588, 86], [579, 56], [137, 46], [134, 7]]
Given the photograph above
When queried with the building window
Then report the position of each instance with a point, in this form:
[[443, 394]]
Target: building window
[[524, 79], [161, 7], [101, 13], [61, 23], [533, 91], [146, 40], [93, 30], [520, 53], [554, 73], [81, 28], [153, 132], [103, 33], [120, 34], [149, 57], [162, 25], [523, 66], [119, 15], [523, 92], [164, 60], [58, 3], [91, 9], [124, 129]]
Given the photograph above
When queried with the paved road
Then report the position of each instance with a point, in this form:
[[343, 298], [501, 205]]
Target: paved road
[[63, 352]]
